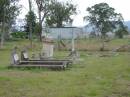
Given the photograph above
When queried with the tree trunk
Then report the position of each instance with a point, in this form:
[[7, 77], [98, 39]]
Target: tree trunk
[[59, 24], [2, 35], [103, 43], [30, 23], [40, 25], [103, 46], [3, 30]]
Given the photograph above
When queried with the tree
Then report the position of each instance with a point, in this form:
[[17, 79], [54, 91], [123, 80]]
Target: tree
[[8, 12], [43, 10], [37, 29], [122, 30], [104, 19], [30, 21], [30, 17], [60, 13]]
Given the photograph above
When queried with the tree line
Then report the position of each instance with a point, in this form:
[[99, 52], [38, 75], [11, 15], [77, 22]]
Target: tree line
[[54, 13]]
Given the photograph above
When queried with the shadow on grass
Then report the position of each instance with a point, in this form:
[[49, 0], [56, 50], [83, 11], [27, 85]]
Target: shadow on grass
[[36, 69]]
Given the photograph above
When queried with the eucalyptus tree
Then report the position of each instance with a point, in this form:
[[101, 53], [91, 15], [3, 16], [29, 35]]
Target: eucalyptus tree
[[30, 18], [60, 13], [104, 19], [43, 10]]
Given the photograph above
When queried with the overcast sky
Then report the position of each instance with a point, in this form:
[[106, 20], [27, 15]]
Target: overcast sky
[[121, 6]]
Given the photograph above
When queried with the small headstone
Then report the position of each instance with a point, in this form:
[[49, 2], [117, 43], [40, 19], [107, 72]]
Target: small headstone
[[24, 54], [48, 47], [14, 56]]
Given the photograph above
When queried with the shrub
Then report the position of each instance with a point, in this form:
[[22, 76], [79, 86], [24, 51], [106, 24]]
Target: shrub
[[21, 35]]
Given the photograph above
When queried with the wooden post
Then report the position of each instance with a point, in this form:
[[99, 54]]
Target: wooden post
[[73, 45]]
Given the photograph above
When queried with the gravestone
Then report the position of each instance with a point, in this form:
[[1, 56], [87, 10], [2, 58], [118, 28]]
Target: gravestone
[[24, 55], [48, 47], [14, 56]]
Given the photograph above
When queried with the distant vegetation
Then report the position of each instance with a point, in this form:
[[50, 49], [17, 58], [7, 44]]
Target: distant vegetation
[[104, 19], [52, 13]]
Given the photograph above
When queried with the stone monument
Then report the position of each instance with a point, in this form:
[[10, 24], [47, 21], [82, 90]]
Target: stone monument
[[48, 47]]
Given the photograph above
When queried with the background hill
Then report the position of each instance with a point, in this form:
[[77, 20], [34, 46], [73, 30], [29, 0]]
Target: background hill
[[127, 23], [88, 28]]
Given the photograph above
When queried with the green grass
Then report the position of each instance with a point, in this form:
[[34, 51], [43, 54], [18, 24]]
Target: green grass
[[95, 44], [92, 76]]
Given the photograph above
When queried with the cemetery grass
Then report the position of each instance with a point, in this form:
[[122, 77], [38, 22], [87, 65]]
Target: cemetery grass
[[94, 44], [95, 75]]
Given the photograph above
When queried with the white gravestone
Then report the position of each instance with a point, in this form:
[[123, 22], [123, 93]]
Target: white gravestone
[[48, 50], [48, 47], [25, 55], [16, 58]]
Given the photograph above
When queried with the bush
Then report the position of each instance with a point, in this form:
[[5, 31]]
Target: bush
[[121, 32], [21, 35]]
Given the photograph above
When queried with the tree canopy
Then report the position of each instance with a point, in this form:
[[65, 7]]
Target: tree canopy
[[30, 17], [9, 9], [43, 10], [60, 13]]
